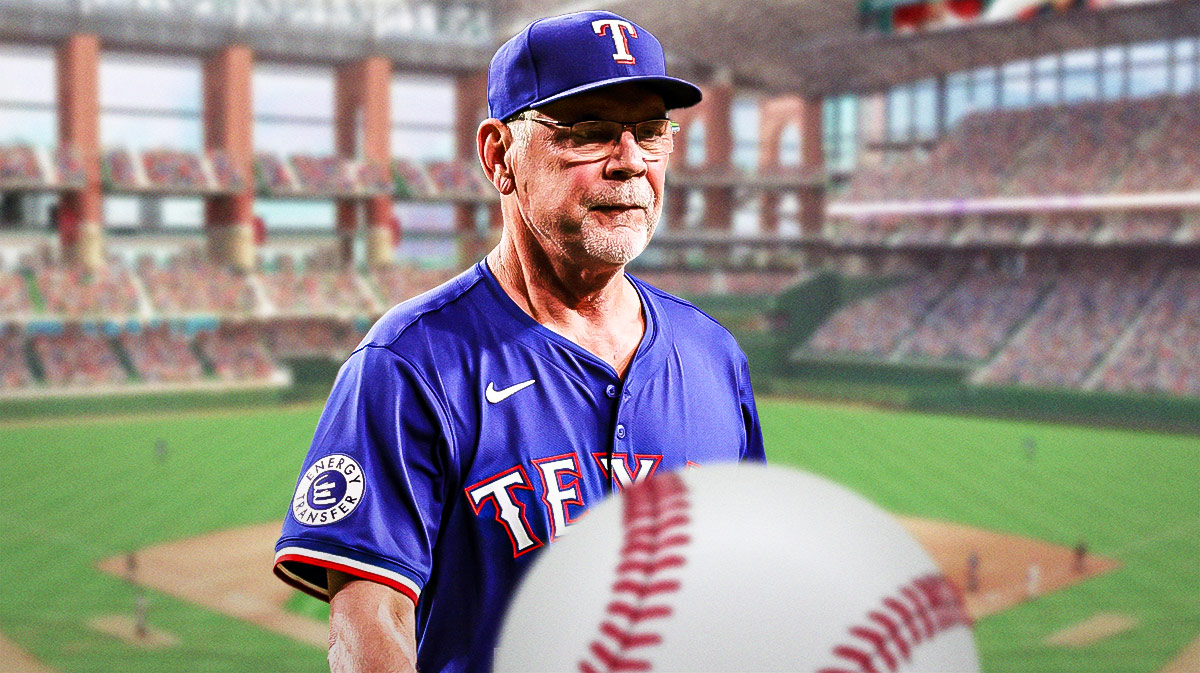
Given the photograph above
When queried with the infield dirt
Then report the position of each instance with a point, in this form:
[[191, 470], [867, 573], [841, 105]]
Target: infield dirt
[[230, 572]]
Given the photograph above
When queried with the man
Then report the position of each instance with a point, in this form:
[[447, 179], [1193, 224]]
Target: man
[[479, 420]]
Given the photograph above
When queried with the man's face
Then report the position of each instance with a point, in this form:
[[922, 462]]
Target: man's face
[[591, 212]]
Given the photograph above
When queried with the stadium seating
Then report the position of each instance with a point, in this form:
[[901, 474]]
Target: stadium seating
[[1143, 227], [78, 358], [1065, 228], [323, 175], [875, 326], [394, 284], [1162, 354], [272, 177], [311, 338], [174, 170], [236, 353], [1075, 326], [72, 292], [976, 317], [190, 284], [412, 182], [458, 179], [14, 294], [317, 288], [161, 355], [225, 172], [70, 168], [14, 368], [993, 229], [19, 167], [118, 171], [1106, 147]]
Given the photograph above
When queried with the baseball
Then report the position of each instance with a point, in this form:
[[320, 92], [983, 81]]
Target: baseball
[[737, 568]]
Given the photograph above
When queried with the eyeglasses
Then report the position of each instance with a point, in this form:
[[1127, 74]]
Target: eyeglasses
[[594, 139]]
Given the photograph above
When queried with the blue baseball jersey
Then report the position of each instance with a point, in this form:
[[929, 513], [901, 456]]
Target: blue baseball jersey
[[462, 436]]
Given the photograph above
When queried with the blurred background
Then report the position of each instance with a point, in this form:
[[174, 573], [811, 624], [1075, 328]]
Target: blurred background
[[959, 241]]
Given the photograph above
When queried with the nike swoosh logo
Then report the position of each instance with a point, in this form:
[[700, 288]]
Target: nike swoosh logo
[[495, 396]]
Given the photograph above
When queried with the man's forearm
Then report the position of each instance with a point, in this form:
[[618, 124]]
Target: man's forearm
[[371, 628]]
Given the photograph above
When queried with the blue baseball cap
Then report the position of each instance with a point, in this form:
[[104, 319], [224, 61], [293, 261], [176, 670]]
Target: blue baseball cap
[[565, 55]]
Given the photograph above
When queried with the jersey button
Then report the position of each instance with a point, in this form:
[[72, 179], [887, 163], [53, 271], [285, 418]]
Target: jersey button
[[611, 391], [620, 432]]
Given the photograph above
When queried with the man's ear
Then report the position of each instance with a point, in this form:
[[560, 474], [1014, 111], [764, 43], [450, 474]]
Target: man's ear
[[493, 140]]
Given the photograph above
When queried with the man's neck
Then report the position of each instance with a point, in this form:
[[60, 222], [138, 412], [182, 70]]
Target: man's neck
[[599, 309]]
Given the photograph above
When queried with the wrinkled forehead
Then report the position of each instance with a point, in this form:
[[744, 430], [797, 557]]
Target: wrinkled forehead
[[622, 102]]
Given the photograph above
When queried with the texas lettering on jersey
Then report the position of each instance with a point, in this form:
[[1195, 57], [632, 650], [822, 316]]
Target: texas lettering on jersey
[[508, 495]]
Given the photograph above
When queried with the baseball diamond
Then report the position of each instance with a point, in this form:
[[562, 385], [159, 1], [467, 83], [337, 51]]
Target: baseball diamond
[[976, 480]]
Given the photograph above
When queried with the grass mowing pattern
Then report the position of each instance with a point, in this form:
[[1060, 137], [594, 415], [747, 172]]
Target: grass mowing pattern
[[90, 489]]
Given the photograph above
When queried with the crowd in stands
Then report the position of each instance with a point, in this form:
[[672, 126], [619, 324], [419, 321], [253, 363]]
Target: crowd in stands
[[317, 287], [70, 166], [189, 283], [14, 294], [875, 326], [74, 292], [1163, 353], [323, 175], [77, 357], [174, 170], [455, 178], [719, 283], [19, 166], [1066, 228], [993, 229], [1076, 325], [1105, 147], [118, 170], [226, 174], [161, 354], [236, 352], [411, 179], [397, 283], [1169, 160], [976, 317], [272, 176], [1144, 227], [14, 370], [311, 337]]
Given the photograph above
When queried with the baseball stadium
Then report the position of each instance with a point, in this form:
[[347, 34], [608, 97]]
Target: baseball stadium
[[958, 241]]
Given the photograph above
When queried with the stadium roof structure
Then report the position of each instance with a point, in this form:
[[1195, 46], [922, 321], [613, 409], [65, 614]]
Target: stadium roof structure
[[815, 48]]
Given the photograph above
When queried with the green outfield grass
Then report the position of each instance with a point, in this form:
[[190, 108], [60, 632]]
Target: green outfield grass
[[85, 490]]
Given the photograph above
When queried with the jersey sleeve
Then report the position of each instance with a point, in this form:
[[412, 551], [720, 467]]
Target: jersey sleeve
[[371, 490], [754, 439]]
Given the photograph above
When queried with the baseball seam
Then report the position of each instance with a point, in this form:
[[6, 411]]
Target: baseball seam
[[918, 611], [655, 518]]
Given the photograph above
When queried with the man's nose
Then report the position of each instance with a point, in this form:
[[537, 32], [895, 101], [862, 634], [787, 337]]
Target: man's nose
[[628, 158]]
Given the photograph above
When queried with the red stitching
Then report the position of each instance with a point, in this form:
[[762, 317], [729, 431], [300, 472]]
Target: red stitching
[[926, 606], [654, 512]]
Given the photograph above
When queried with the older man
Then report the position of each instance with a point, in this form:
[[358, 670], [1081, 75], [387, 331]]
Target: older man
[[476, 422]]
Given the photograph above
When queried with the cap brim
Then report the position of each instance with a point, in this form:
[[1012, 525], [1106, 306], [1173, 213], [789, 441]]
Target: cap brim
[[676, 93]]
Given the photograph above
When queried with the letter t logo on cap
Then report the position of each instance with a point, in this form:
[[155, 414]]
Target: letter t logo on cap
[[621, 32]]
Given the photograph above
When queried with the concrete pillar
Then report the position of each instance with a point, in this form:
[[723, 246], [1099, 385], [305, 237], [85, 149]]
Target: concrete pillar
[[80, 212], [718, 117], [362, 131], [229, 127], [470, 108], [812, 162]]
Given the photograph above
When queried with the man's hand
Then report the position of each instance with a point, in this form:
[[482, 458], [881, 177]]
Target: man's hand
[[372, 628]]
